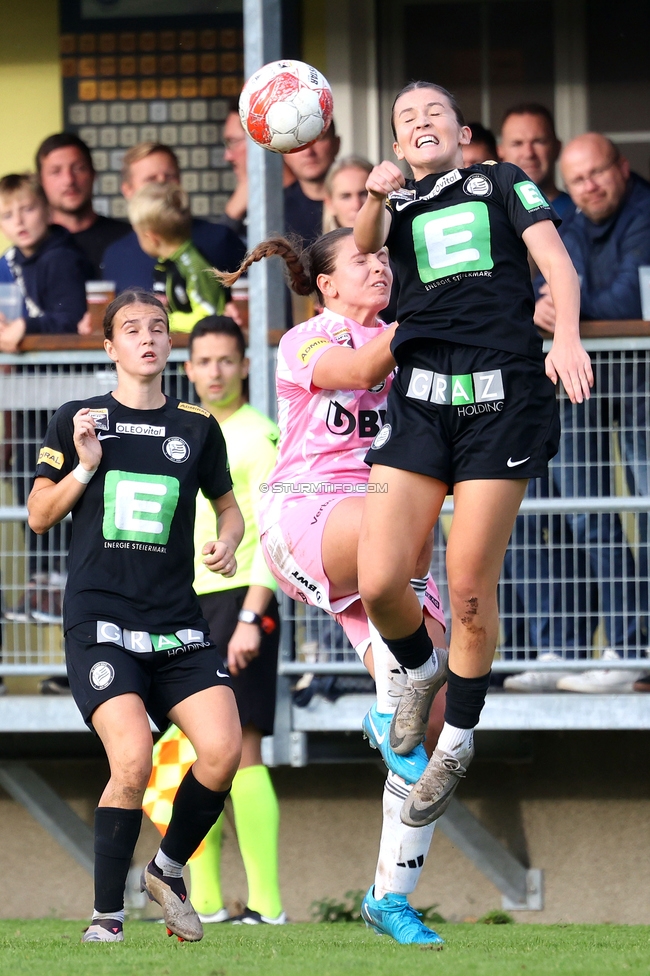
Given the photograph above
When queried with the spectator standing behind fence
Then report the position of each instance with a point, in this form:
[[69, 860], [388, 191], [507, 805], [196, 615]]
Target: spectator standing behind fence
[[65, 168], [183, 279], [236, 140], [125, 262], [303, 178], [242, 612], [528, 140], [303, 200], [608, 238], [51, 272], [483, 146]]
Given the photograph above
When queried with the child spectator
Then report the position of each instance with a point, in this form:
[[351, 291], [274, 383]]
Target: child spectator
[[44, 261], [161, 218]]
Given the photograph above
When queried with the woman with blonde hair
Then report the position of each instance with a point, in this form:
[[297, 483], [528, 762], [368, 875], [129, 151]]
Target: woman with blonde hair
[[345, 192]]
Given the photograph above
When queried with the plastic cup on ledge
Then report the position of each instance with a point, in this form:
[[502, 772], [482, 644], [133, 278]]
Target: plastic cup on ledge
[[99, 294], [11, 301]]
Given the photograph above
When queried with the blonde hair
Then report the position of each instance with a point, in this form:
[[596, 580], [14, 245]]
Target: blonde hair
[[141, 151], [14, 183], [348, 162], [163, 209]]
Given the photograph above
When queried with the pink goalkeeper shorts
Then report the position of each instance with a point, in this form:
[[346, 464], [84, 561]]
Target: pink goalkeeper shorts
[[293, 551]]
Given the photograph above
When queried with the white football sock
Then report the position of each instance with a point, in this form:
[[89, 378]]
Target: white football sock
[[168, 866], [402, 850], [118, 916], [453, 740], [429, 668], [426, 670], [419, 584], [391, 679], [385, 680]]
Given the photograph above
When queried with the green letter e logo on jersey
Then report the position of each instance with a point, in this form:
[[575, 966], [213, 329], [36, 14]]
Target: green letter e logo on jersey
[[530, 195], [139, 507], [452, 240]]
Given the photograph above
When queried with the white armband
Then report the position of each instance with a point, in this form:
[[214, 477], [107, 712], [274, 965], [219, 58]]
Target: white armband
[[83, 476]]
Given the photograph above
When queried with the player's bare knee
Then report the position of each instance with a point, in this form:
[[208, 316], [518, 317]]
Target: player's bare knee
[[131, 774], [219, 764], [376, 592]]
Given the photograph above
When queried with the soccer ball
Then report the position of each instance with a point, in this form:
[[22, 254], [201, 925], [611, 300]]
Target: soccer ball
[[285, 106]]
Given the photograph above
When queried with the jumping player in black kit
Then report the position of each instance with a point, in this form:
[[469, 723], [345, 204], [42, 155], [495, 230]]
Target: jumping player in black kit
[[128, 465], [472, 409]]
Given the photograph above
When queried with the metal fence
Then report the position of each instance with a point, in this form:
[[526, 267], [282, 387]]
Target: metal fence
[[575, 578]]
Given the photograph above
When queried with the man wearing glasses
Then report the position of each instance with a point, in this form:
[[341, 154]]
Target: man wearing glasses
[[608, 238]]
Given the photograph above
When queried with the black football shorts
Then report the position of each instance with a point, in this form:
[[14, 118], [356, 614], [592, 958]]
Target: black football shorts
[[254, 686], [465, 413], [100, 668]]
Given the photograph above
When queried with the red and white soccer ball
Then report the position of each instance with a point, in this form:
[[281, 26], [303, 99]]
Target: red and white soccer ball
[[286, 105]]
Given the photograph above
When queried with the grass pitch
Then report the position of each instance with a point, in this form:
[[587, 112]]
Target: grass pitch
[[52, 948]]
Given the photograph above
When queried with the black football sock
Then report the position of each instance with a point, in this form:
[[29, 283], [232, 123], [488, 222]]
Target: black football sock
[[412, 651], [196, 810], [116, 834], [465, 700]]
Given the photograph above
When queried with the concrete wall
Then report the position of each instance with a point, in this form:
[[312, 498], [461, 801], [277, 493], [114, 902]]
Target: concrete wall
[[579, 809]]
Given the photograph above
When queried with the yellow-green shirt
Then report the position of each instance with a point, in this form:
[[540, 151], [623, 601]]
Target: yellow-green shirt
[[190, 286], [251, 440]]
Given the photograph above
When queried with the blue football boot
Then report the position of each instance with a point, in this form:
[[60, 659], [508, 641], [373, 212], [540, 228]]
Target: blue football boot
[[392, 915], [376, 726]]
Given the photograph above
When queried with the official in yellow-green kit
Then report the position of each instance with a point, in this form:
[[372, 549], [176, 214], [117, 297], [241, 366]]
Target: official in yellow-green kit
[[243, 616]]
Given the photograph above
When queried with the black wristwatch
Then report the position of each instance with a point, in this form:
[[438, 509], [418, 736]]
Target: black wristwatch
[[249, 617]]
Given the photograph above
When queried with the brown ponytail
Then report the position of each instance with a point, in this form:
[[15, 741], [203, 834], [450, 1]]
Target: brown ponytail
[[303, 267]]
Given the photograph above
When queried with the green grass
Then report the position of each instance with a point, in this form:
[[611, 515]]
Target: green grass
[[52, 948]]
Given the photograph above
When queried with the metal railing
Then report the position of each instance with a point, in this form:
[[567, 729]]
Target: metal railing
[[575, 579]]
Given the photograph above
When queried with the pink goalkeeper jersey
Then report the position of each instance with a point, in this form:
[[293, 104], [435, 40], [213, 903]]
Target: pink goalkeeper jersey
[[324, 434]]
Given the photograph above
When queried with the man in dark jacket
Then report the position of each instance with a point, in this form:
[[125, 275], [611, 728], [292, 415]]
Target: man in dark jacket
[[125, 262], [608, 239], [65, 167]]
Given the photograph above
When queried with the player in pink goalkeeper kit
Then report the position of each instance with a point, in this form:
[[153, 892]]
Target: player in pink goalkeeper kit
[[333, 376]]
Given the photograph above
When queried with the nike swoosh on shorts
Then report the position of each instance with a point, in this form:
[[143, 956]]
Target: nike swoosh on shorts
[[514, 464]]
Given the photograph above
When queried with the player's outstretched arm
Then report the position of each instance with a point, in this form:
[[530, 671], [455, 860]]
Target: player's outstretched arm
[[356, 369], [51, 501], [567, 359], [372, 223], [220, 553]]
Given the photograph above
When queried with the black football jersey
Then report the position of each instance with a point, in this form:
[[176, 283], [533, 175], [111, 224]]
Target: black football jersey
[[455, 240], [131, 558]]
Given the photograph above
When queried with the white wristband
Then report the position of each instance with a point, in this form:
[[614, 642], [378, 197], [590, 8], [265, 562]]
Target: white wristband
[[83, 476]]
